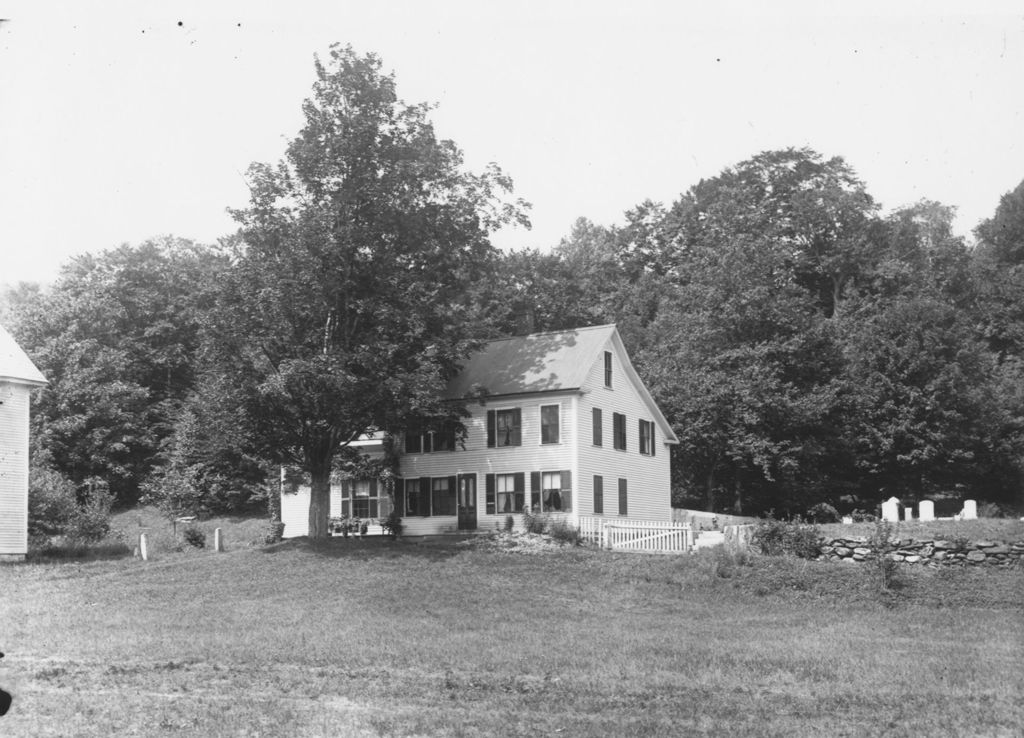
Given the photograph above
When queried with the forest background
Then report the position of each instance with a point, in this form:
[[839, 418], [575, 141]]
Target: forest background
[[805, 347]]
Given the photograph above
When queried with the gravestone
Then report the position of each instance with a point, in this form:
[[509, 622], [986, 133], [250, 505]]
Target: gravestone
[[847, 520], [970, 511], [908, 513], [926, 511], [218, 541], [891, 510]]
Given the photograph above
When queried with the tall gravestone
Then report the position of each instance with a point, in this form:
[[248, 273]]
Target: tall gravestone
[[891, 510], [970, 511], [926, 511]]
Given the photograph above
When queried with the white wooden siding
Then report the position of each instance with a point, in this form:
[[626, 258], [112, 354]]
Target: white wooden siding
[[478, 459], [14, 412], [648, 478]]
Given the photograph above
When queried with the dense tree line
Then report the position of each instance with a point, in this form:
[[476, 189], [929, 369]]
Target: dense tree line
[[805, 347]]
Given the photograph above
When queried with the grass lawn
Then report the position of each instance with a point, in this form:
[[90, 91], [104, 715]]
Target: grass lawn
[[400, 638]]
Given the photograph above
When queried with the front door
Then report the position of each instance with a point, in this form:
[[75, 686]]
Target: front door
[[467, 501]]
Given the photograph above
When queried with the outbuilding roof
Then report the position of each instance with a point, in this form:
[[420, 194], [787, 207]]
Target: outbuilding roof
[[15, 366]]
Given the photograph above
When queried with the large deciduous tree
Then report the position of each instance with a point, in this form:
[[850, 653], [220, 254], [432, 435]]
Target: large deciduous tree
[[347, 309]]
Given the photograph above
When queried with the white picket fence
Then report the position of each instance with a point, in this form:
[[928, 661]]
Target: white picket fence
[[647, 536]]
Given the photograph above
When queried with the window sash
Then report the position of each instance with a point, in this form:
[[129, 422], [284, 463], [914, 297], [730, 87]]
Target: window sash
[[549, 423], [647, 437], [510, 497], [619, 431], [507, 427]]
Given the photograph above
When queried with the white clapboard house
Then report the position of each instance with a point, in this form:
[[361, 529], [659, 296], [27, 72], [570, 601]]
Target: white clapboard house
[[18, 376], [567, 428]]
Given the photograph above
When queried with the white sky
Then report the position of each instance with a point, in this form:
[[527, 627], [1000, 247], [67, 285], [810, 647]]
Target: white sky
[[125, 120]]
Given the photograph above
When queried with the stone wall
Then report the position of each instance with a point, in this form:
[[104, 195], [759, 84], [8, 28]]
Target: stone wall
[[929, 552]]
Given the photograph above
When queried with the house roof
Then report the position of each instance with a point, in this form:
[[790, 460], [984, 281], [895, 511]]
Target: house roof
[[15, 366], [539, 362], [547, 362]]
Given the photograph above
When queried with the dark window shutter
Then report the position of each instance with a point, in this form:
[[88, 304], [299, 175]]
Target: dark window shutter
[[598, 431], [491, 432], [641, 433], [607, 368], [489, 492], [535, 491], [425, 496], [650, 426], [517, 427], [598, 495], [566, 491], [623, 506], [519, 485]]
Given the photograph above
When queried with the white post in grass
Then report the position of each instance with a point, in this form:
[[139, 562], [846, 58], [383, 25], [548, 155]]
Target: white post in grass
[[218, 542], [143, 550], [970, 511], [926, 511]]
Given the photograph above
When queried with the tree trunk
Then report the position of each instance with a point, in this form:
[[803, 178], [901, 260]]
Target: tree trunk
[[710, 489], [319, 499], [738, 502]]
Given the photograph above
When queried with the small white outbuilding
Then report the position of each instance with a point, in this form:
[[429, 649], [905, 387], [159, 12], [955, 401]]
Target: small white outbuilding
[[18, 376]]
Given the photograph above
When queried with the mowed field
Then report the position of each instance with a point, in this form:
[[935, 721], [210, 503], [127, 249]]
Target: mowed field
[[407, 638]]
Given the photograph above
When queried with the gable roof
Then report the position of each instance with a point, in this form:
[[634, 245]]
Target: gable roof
[[548, 362], [539, 362], [15, 366]]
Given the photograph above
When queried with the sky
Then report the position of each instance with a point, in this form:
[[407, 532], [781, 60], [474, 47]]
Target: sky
[[121, 121]]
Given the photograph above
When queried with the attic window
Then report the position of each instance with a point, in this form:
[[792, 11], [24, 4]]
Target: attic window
[[607, 368]]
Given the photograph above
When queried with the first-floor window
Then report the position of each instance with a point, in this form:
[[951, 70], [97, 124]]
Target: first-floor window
[[364, 498], [417, 497], [551, 491], [598, 495], [509, 498], [623, 498], [556, 498], [443, 495]]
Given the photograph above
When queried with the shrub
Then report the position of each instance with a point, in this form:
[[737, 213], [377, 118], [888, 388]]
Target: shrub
[[91, 521], [863, 516], [52, 502], [194, 537], [393, 524], [883, 565], [563, 532], [991, 510], [510, 523], [534, 523], [823, 513], [778, 537]]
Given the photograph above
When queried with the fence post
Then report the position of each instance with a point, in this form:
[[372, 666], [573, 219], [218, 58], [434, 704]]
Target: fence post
[[218, 542], [143, 550]]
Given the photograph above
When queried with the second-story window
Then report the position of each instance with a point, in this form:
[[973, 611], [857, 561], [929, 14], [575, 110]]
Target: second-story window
[[549, 424], [647, 438], [504, 427], [619, 431], [607, 368]]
